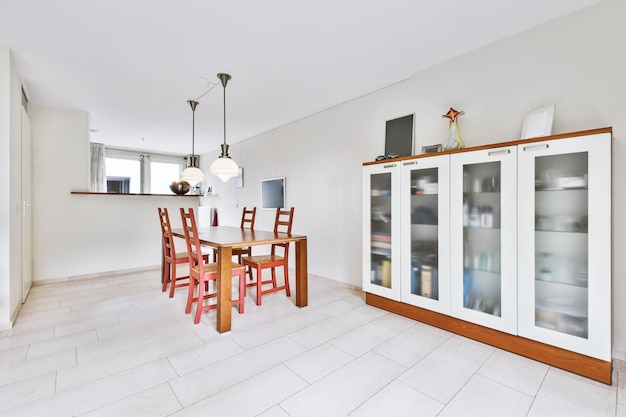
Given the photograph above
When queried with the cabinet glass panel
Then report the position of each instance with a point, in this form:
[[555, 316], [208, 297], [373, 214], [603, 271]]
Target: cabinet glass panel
[[482, 281], [424, 233], [380, 203], [561, 243]]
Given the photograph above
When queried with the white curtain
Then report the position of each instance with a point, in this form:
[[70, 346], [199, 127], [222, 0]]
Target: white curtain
[[98, 168]]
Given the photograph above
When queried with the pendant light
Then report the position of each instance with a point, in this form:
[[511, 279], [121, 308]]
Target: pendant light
[[224, 167], [192, 174]]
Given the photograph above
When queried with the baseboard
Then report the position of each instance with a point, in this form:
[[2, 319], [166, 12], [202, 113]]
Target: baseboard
[[570, 361], [95, 275]]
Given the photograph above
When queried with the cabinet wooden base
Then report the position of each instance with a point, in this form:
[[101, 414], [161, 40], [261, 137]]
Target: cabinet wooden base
[[570, 361]]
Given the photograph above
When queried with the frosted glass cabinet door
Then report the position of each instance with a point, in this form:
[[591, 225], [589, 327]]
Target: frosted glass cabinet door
[[425, 199], [565, 243], [483, 226], [381, 230]]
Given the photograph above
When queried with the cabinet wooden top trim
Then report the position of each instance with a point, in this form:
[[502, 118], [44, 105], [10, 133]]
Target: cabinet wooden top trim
[[133, 194], [498, 145]]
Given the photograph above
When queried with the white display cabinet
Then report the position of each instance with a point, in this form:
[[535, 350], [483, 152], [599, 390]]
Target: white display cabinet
[[509, 244]]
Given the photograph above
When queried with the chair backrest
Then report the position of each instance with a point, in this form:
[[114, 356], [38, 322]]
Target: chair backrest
[[169, 251], [283, 220], [191, 238], [282, 224], [247, 218]]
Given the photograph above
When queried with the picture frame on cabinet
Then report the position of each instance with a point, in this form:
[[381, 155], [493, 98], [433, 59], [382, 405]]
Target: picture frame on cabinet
[[432, 148], [538, 122]]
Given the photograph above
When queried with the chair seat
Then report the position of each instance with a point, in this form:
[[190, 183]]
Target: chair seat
[[182, 257], [212, 268], [262, 259]]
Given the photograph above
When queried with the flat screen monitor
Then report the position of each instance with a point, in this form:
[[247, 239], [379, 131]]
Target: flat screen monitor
[[273, 193], [399, 136]]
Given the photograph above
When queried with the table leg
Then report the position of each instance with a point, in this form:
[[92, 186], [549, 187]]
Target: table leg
[[224, 288], [302, 274]]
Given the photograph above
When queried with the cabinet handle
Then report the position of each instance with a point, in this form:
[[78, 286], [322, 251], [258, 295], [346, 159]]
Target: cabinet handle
[[536, 147], [410, 163], [500, 152], [389, 166]]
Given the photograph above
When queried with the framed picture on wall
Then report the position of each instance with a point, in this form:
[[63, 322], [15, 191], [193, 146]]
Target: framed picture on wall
[[273, 193], [240, 178]]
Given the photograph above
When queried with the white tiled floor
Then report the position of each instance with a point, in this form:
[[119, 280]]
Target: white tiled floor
[[118, 346]]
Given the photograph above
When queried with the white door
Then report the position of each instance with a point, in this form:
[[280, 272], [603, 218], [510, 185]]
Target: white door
[[483, 231], [27, 213], [425, 235], [381, 230], [565, 243]]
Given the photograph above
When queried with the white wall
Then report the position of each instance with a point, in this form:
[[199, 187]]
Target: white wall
[[79, 235], [577, 62]]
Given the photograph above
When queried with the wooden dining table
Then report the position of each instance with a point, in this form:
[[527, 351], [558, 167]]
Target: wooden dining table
[[224, 239]]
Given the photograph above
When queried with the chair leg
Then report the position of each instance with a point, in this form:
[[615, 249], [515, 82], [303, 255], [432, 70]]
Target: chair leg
[[173, 279], [287, 281], [166, 276], [273, 277], [259, 284], [192, 285], [200, 305], [242, 289]]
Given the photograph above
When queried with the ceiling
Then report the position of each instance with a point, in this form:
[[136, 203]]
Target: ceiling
[[134, 64]]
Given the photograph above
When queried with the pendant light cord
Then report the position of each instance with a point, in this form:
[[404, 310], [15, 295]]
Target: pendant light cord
[[224, 78], [193, 104]]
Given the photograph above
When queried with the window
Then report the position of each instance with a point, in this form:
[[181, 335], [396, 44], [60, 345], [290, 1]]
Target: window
[[141, 172]]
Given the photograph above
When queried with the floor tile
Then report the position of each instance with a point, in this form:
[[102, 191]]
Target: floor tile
[[318, 362], [204, 382], [482, 397], [105, 366], [203, 355], [329, 329], [444, 371], [398, 399], [158, 401], [250, 397], [517, 372], [26, 391], [31, 368], [565, 394], [371, 335], [48, 347], [345, 389], [413, 344]]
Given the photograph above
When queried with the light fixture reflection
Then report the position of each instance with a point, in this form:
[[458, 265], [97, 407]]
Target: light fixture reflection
[[224, 167], [192, 174]]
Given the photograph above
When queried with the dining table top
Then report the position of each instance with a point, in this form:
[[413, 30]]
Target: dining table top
[[234, 236]]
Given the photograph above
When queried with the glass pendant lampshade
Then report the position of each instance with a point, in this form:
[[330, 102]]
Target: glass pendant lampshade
[[224, 167], [192, 174]]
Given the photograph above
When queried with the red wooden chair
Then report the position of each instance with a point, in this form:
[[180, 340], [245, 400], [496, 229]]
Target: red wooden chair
[[274, 260], [202, 272], [247, 221], [171, 258]]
